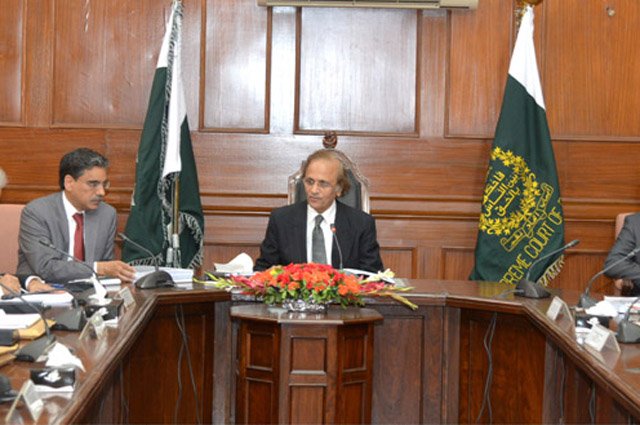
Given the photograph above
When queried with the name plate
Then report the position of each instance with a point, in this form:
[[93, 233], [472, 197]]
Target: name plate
[[559, 311], [127, 297], [95, 327], [600, 338], [32, 400]]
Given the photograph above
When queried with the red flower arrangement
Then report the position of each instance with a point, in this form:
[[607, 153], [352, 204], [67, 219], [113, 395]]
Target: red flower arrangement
[[313, 283]]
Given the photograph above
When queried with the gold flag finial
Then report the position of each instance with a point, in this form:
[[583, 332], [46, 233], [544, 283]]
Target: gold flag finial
[[522, 5]]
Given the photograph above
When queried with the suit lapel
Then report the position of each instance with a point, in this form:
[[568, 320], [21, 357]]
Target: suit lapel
[[300, 233], [61, 222]]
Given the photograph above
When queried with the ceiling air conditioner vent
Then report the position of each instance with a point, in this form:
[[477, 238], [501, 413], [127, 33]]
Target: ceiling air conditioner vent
[[379, 4]]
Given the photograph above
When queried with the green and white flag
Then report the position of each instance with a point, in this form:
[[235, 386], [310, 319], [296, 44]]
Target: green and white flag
[[521, 218], [165, 159]]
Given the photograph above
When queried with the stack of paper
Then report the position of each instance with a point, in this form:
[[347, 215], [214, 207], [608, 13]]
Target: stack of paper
[[48, 299], [17, 321], [178, 275]]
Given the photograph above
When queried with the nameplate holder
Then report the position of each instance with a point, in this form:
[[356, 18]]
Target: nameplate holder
[[32, 400], [559, 311], [600, 338], [95, 327], [127, 297]]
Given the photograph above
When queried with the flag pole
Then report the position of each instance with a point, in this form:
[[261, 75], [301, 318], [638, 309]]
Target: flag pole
[[175, 228]]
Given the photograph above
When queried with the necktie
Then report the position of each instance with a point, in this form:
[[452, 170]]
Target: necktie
[[78, 238], [318, 253]]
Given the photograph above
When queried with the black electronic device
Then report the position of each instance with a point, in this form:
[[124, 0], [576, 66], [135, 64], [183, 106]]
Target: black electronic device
[[54, 377], [628, 332], [157, 278], [529, 289], [8, 337], [72, 319], [6, 392]]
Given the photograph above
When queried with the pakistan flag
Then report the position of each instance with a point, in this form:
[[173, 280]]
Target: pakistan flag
[[166, 214], [521, 218]]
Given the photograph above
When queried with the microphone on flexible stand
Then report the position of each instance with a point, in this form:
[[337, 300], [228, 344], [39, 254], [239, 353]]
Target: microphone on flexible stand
[[528, 289], [628, 332], [100, 291], [75, 318], [32, 351], [156, 279], [586, 300], [334, 231]]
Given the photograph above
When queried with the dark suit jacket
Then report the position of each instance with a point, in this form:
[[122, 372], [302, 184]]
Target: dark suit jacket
[[627, 241], [285, 241], [45, 219]]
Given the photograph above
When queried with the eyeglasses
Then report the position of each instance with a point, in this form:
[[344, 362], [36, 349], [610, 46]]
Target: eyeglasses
[[322, 184], [95, 184]]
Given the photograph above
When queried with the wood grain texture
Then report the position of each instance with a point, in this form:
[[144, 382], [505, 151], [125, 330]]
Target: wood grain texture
[[12, 44]]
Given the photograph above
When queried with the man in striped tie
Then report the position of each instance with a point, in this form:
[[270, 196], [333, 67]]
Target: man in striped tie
[[321, 229]]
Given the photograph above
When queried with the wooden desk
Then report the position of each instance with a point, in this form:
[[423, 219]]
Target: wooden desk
[[304, 368], [132, 374], [429, 365]]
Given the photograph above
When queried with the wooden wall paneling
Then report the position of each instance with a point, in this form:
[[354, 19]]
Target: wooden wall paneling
[[401, 260], [606, 170], [12, 55], [433, 71], [478, 65], [283, 69], [237, 66], [591, 59], [443, 171], [456, 263], [578, 269], [39, 60], [98, 81], [358, 70]]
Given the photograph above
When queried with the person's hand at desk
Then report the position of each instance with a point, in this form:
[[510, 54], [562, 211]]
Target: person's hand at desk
[[116, 268], [35, 284], [11, 282]]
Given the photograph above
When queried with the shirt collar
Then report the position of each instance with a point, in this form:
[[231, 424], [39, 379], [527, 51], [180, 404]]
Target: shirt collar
[[329, 214], [69, 209]]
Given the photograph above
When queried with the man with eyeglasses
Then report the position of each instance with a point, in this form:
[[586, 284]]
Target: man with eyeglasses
[[304, 232], [74, 220]]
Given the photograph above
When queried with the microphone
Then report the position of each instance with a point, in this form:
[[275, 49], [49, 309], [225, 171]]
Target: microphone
[[335, 238], [156, 279], [528, 289], [628, 332], [100, 291], [32, 351], [586, 300]]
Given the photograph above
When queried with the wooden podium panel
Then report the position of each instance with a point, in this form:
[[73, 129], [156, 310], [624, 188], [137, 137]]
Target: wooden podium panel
[[304, 368]]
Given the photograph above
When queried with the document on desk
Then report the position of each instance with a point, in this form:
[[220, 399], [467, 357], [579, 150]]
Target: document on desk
[[17, 321], [47, 299]]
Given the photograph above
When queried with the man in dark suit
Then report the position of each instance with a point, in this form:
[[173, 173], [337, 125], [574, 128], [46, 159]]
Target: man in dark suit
[[629, 270], [74, 220], [303, 232]]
